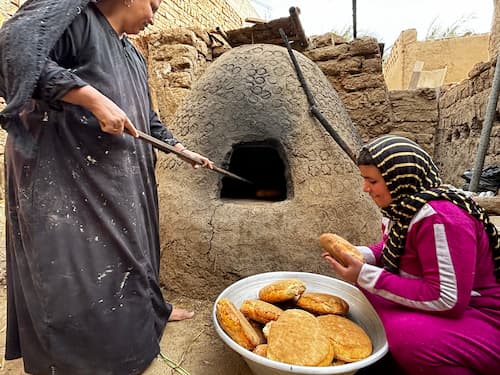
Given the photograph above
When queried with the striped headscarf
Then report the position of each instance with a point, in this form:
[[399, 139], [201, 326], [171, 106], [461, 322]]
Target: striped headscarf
[[413, 180]]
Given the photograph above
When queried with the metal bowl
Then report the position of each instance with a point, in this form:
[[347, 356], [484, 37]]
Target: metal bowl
[[360, 311]]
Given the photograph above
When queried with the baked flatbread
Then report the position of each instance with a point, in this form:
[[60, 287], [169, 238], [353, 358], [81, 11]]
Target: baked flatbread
[[261, 350], [282, 290], [260, 311], [350, 341], [322, 303], [296, 338], [335, 245], [234, 323]]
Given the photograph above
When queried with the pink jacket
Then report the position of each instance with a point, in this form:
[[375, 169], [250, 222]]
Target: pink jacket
[[447, 265]]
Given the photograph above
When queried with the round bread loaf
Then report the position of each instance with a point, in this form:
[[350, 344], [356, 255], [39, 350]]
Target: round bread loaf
[[236, 325], [297, 338], [335, 245], [260, 311], [261, 350], [282, 290], [350, 341], [322, 303]]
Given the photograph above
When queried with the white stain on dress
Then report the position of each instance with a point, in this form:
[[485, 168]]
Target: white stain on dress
[[103, 275], [124, 281], [91, 159]]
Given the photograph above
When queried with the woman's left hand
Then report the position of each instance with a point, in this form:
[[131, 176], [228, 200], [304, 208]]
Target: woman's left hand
[[203, 161], [349, 272]]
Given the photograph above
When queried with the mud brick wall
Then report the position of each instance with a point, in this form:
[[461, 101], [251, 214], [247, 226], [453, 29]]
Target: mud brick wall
[[197, 13], [176, 58], [173, 13], [462, 108], [416, 115], [355, 71]]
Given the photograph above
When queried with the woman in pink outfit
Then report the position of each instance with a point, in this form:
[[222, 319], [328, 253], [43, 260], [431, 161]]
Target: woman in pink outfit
[[433, 278]]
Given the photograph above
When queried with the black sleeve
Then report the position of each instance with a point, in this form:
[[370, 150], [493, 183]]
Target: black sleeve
[[57, 77], [158, 130], [54, 82]]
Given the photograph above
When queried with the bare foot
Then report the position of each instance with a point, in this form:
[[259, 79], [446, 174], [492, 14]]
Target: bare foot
[[180, 314]]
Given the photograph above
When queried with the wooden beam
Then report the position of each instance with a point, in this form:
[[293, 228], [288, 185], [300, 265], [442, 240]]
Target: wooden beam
[[268, 32], [255, 20]]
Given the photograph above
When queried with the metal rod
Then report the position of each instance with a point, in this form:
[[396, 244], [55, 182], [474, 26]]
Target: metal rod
[[354, 20], [489, 118], [163, 146], [312, 102]]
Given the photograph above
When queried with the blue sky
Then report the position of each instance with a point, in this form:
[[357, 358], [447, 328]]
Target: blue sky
[[383, 19]]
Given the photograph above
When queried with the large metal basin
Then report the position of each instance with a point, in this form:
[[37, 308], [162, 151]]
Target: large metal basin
[[360, 311]]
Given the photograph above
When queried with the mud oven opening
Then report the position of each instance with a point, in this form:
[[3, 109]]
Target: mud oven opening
[[262, 162]]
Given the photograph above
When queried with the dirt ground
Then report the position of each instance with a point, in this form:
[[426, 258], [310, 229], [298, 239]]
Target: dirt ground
[[193, 344]]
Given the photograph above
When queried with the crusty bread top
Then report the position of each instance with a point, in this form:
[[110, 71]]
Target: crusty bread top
[[323, 303], [260, 311], [350, 341], [297, 338], [282, 290], [335, 245], [261, 350], [236, 325]]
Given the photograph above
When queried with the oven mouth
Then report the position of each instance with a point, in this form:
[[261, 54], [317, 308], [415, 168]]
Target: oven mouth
[[261, 162]]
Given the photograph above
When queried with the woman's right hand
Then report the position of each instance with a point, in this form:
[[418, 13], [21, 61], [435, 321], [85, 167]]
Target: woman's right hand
[[350, 272], [112, 119]]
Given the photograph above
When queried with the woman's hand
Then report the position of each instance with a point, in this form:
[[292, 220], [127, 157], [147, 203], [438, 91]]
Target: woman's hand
[[111, 118], [350, 272], [202, 160]]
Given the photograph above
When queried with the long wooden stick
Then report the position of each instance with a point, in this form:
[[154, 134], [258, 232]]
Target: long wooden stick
[[163, 146]]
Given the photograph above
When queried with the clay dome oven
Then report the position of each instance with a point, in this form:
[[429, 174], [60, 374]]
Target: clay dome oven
[[249, 114]]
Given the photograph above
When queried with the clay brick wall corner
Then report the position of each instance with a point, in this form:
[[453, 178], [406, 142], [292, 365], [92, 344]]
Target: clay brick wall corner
[[393, 68]]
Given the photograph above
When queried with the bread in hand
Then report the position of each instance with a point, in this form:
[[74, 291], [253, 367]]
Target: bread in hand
[[335, 245]]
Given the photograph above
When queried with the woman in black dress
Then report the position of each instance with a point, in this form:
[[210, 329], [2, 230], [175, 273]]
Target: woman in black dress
[[82, 207]]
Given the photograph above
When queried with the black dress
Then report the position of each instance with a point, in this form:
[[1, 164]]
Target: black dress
[[82, 216]]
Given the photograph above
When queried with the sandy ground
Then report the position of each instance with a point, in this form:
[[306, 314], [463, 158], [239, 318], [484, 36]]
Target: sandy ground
[[193, 344]]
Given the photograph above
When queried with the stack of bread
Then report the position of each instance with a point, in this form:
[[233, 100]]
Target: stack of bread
[[287, 324]]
